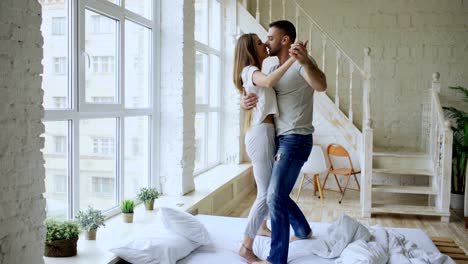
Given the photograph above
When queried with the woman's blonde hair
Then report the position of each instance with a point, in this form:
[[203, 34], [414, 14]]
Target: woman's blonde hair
[[245, 55]]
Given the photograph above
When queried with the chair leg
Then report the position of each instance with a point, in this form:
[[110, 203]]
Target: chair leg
[[357, 182], [319, 187], [300, 188], [315, 183], [325, 181], [338, 183], [346, 187]]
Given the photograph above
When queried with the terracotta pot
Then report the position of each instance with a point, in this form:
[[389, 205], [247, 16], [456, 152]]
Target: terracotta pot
[[128, 218], [90, 235], [149, 205], [61, 248]]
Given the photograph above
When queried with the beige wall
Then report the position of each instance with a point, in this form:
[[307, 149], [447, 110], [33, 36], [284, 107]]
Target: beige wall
[[410, 39]]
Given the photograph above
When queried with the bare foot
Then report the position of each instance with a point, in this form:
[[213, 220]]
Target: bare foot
[[261, 262], [264, 232], [294, 238], [248, 254]]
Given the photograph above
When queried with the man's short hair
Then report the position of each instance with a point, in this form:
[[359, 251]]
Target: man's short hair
[[287, 28]]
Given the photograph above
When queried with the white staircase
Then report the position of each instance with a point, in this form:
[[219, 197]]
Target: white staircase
[[416, 183]]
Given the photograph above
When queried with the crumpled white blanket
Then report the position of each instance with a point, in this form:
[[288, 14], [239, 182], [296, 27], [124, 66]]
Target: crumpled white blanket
[[341, 233], [350, 242], [383, 246]]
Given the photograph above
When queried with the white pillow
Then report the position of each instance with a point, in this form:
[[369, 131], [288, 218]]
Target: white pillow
[[184, 224], [164, 248]]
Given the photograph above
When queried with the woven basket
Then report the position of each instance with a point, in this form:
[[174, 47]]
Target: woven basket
[[61, 248]]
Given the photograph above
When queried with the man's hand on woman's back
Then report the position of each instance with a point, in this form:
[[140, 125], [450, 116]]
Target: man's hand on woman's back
[[249, 101]]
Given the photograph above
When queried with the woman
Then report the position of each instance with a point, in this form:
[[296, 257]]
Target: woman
[[260, 136]]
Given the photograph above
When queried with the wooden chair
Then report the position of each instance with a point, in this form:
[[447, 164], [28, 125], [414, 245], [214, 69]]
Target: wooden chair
[[314, 165], [335, 150]]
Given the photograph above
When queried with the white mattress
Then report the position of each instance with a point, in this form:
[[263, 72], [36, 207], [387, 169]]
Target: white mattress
[[227, 234]]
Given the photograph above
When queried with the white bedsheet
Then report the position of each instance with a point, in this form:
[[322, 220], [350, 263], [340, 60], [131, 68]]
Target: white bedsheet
[[227, 234]]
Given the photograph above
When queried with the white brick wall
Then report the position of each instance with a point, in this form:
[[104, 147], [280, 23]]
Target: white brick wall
[[177, 148], [22, 207], [409, 39]]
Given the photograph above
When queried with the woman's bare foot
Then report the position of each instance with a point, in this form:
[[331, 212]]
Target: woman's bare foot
[[248, 254], [264, 232], [261, 262], [294, 238]]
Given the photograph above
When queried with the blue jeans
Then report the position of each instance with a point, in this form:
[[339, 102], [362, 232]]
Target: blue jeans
[[293, 151]]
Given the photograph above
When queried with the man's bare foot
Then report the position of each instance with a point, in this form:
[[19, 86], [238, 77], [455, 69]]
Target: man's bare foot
[[261, 262], [248, 254], [294, 238], [264, 232]]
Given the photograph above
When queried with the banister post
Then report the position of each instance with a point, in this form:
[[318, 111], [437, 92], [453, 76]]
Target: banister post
[[257, 14], [366, 84], [367, 140], [446, 172], [436, 82]]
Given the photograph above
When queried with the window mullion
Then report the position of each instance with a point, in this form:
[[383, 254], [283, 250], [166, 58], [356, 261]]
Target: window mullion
[[75, 167], [120, 154]]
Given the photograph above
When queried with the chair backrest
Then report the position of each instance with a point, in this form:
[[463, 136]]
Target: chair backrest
[[338, 151], [316, 162]]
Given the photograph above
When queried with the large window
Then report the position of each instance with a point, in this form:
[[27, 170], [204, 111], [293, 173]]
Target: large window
[[99, 107], [208, 61]]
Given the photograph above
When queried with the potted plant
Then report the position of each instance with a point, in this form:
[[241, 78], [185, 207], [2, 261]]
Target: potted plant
[[459, 150], [61, 238], [90, 220], [147, 196], [127, 210]]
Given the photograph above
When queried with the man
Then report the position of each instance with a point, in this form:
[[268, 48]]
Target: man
[[294, 93]]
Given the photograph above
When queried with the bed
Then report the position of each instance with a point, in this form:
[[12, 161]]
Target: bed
[[226, 234]]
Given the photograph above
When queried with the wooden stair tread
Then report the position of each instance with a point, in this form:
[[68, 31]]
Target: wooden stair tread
[[406, 209], [456, 250], [441, 239], [448, 247], [446, 244], [403, 171], [403, 189], [382, 153], [457, 257]]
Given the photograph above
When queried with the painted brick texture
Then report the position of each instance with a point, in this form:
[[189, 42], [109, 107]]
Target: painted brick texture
[[22, 210], [410, 39], [177, 148]]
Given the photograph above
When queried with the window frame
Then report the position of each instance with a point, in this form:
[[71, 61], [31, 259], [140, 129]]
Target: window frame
[[78, 110], [206, 108]]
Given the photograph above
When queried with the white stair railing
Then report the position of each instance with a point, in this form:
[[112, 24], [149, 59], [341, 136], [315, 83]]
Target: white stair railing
[[342, 58], [441, 138]]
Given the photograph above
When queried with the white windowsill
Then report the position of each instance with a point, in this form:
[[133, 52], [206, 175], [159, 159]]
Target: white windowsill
[[115, 230]]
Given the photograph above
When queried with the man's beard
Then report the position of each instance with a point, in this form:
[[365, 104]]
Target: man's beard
[[273, 52]]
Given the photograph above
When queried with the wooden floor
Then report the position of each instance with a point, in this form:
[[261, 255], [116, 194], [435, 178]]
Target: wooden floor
[[330, 210]]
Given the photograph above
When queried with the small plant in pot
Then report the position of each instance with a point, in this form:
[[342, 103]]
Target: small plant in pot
[[147, 196], [61, 238], [127, 210], [90, 220]]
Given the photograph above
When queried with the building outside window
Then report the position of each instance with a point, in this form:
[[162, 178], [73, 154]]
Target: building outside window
[[208, 61], [100, 25], [103, 64], [104, 146], [59, 25], [87, 121], [60, 144], [59, 101], [60, 65], [60, 183]]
